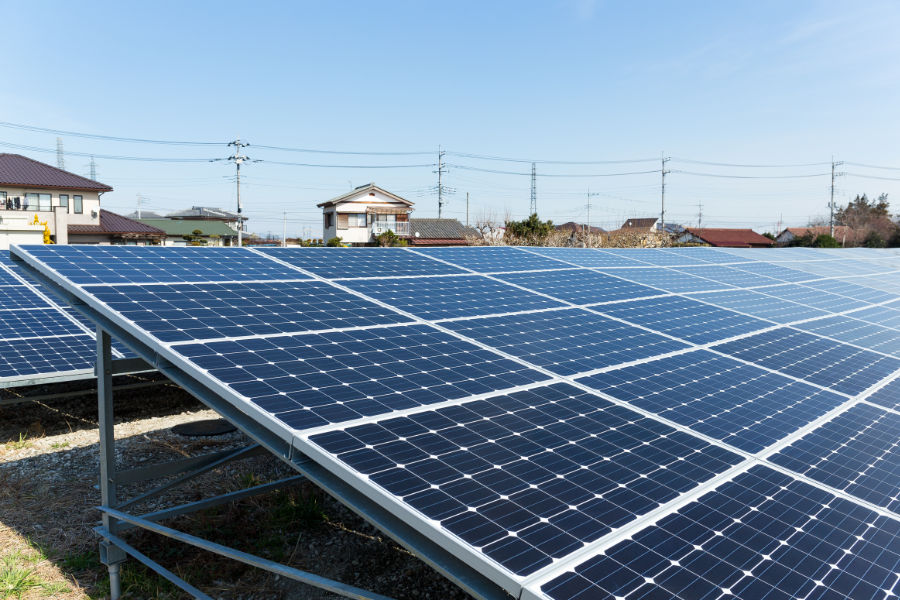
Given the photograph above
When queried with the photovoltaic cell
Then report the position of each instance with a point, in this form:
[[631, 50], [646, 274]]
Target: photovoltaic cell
[[851, 290], [83, 264], [774, 271], [815, 359], [668, 280], [451, 297], [7, 278], [336, 263], [530, 476], [814, 298], [493, 259], [653, 256], [860, 333], [857, 452], [35, 323], [685, 318], [741, 405], [888, 396], [180, 312], [19, 297], [762, 536], [729, 276], [565, 341], [314, 379], [586, 257], [580, 286], [47, 355], [761, 306], [885, 316]]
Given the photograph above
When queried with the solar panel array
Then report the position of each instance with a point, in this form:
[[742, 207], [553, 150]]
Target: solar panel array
[[571, 423], [40, 340]]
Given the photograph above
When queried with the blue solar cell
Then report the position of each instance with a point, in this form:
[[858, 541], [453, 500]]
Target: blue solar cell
[[885, 316], [85, 264], [657, 257], [858, 452], [179, 312], [493, 259], [668, 280], [35, 323], [18, 297], [729, 276], [565, 341], [815, 359], [888, 396], [47, 355], [851, 290], [7, 277], [760, 305], [530, 476], [763, 535], [742, 405], [860, 333], [313, 379], [774, 271], [339, 263], [580, 286], [450, 297], [586, 257], [685, 318], [710, 255]]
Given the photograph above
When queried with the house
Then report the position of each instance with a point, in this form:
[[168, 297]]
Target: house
[[725, 238], [439, 232], [180, 232], [60, 198], [363, 213], [206, 213], [572, 226], [116, 230], [842, 234], [644, 224]]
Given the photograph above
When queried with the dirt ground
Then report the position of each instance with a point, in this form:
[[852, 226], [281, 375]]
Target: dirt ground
[[48, 494]]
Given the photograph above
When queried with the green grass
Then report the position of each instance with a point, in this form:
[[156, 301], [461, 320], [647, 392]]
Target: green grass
[[22, 443], [80, 561], [58, 445], [18, 575], [139, 581]]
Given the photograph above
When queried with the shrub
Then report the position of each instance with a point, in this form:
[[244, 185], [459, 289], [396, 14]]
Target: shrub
[[334, 242]]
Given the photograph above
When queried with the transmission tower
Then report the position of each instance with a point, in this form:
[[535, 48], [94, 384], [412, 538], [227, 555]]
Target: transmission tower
[[441, 169], [700, 215], [93, 169], [60, 159], [831, 203], [533, 210]]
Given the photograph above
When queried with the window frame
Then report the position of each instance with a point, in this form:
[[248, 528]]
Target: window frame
[[66, 196], [78, 204]]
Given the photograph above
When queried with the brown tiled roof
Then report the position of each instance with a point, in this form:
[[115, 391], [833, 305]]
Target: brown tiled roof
[[643, 223], [111, 223], [573, 226], [22, 171], [735, 238], [437, 242], [840, 231]]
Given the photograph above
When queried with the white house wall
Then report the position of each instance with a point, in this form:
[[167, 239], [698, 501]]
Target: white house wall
[[90, 214]]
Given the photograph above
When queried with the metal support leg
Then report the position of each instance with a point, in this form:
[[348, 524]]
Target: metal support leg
[[112, 556]]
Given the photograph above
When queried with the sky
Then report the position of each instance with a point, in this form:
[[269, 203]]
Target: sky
[[588, 90]]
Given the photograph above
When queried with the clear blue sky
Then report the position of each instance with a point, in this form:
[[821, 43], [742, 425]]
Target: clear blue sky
[[761, 82]]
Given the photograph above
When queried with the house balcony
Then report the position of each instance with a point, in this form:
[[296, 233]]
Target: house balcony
[[400, 228]]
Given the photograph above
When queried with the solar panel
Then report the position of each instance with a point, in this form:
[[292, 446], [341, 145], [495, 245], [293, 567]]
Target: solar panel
[[580, 286], [685, 318], [179, 312], [858, 452], [561, 452], [451, 297], [341, 263], [744, 406], [19, 298], [47, 356], [815, 359], [763, 535], [565, 341], [532, 476]]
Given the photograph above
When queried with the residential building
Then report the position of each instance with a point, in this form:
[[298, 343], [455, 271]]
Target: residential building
[[206, 213], [644, 224], [116, 230], [725, 238], [180, 232], [439, 232], [60, 198], [572, 226], [363, 213], [843, 234]]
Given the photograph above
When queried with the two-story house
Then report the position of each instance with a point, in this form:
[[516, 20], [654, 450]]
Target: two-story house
[[29, 188], [363, 213]]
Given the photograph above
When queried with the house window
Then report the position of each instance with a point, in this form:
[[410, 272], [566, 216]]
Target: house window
[[329, 220], [356, 220], [64, 201], [77, 204], [3, 200]]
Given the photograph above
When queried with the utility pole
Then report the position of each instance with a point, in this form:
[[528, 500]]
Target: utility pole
[[60, 158], [589, 230], [237, 158], [467, 209], [662, 214], [700, 214], [284, 229], [533, 210], [440, 186], [139, 200], [831, 204]]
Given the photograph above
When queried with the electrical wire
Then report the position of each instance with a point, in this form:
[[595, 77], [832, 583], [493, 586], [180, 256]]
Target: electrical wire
[[854, 164], [873, 177], [108, 156], [109, 138], [294, 164], [723, 176], [550, 162], [501, 172], [722, 164]]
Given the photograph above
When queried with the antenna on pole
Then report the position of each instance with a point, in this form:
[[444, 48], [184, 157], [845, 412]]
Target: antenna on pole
[[831, 203], [440, 186], [238, 159], [533, 210], [60, 158], [662, 213]]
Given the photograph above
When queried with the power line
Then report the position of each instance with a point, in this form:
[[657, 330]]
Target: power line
[[109, 138], [296, 164], [726, 176], [870, 176], [549, 162], [872, 166], [107, 156], [749, 166], [524, 173]]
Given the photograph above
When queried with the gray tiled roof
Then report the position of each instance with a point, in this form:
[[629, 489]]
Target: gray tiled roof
[[443, 229]]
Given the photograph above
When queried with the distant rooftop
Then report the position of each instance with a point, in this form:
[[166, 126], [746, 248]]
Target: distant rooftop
[[206, 212], [112, 223], [21, 171]]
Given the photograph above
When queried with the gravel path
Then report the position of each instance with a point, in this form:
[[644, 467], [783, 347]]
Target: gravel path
[[49, 468]]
